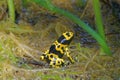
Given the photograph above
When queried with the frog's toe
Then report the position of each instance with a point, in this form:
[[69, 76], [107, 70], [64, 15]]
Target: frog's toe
[[42, 57]]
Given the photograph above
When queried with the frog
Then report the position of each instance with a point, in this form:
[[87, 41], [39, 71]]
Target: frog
[[54, 56]]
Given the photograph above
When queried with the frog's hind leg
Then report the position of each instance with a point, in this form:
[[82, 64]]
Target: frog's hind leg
[[57, 62], [44, 55]]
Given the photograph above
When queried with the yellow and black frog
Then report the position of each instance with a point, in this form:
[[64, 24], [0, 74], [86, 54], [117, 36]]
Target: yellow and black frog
[[54, 55]]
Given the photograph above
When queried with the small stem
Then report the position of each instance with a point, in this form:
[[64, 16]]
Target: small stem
[[11, 9]]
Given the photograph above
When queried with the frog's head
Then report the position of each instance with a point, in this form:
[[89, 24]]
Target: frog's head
[[66, 38]]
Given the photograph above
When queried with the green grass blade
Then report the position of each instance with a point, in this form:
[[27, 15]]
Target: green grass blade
[[11, 10], [98, 18]]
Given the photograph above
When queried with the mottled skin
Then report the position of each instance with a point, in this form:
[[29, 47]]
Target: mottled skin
[[54, 55]]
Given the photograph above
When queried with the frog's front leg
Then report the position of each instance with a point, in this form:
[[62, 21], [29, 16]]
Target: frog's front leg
[[43, 57], [68, 55]]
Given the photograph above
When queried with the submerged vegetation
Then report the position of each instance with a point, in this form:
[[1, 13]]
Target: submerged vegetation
[[39, 25]]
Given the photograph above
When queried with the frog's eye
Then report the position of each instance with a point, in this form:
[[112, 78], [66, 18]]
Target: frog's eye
[[61, 38], [63, 41], [66, 38]]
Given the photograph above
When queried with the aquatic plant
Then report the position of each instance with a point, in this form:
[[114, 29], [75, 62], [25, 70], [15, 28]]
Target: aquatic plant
[[48, 5]]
